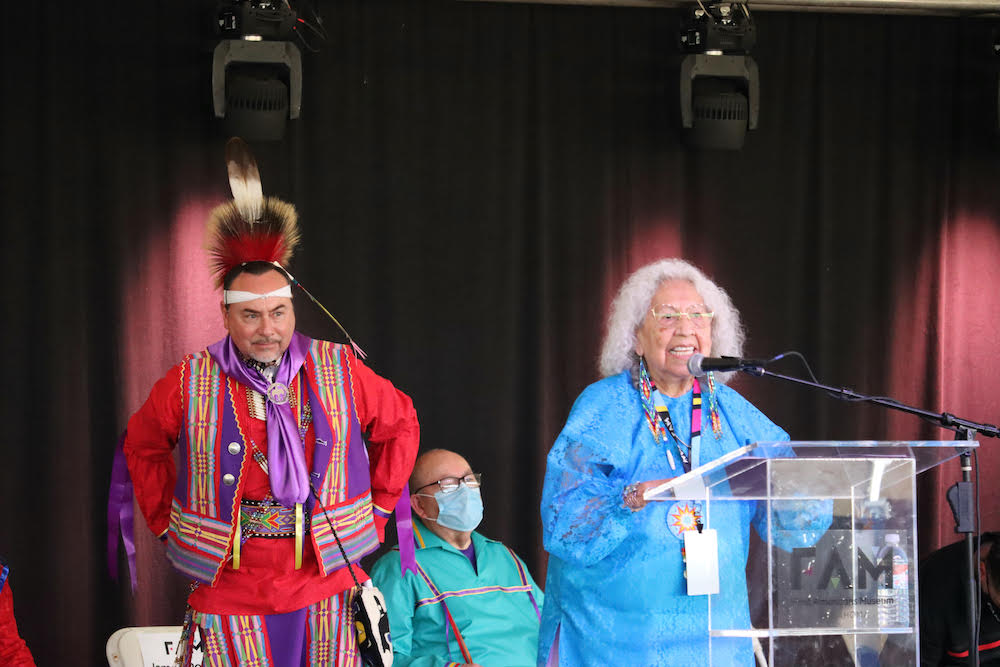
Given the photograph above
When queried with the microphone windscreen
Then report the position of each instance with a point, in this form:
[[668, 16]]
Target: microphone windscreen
[[694, 365]]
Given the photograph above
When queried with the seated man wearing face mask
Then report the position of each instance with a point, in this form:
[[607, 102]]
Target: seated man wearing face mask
[[470, 600]]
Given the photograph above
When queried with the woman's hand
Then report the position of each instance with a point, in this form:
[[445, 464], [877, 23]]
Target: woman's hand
[[633, 495]]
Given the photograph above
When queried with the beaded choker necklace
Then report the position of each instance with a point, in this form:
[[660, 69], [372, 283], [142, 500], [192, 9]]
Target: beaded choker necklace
[[259, 366]]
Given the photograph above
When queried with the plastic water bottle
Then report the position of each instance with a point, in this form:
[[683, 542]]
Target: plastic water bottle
[[894, 602]]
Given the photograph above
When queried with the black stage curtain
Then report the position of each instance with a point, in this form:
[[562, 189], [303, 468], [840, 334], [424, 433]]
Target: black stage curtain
[[474, 181]]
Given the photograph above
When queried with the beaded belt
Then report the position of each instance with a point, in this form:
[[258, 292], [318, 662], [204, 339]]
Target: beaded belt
[[267, 518]]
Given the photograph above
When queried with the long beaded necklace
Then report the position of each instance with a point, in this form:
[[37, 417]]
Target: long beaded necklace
[[692, 444], [661, 424], [305, 418], [683, 515]]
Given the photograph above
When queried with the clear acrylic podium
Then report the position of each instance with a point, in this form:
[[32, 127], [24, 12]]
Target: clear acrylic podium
[[837, 591]]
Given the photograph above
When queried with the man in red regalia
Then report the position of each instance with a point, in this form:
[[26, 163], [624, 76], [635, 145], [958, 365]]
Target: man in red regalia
[[287, 445]]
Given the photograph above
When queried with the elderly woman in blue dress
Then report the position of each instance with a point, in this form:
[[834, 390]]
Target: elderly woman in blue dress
[[616, 591]]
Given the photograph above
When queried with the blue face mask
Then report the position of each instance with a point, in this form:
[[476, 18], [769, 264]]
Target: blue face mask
[[460, 510]]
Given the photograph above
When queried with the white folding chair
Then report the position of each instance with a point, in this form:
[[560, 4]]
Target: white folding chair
[[143, 647]]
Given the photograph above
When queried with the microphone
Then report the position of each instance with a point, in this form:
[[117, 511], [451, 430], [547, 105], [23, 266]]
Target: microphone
[[699, 365]]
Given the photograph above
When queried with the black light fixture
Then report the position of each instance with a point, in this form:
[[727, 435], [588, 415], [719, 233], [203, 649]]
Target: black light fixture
[[719, 85], [256, 72]]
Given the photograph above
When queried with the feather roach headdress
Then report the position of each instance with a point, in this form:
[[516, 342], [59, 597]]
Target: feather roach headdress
[[252, 227]]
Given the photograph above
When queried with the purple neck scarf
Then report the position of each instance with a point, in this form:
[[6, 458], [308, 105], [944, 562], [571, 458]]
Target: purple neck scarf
[[286, 459]]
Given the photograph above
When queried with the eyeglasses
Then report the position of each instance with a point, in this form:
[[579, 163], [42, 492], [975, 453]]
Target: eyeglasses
[[668, 316], [451, 484]]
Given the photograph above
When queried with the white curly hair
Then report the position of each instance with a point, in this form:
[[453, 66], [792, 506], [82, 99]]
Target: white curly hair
[[633, 302]]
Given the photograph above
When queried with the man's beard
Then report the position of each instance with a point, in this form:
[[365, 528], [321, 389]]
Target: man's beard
[[261, 360]]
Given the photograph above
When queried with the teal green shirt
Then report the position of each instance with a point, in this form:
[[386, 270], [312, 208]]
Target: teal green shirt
[[496, 618]]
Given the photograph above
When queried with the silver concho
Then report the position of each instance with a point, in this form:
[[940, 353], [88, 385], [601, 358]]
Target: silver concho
[[277, 393]]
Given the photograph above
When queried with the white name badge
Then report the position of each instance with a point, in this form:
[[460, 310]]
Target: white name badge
[[701, 551]]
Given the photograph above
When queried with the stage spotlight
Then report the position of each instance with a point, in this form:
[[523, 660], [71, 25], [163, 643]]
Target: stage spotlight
[[256, 74], [719, 85]]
